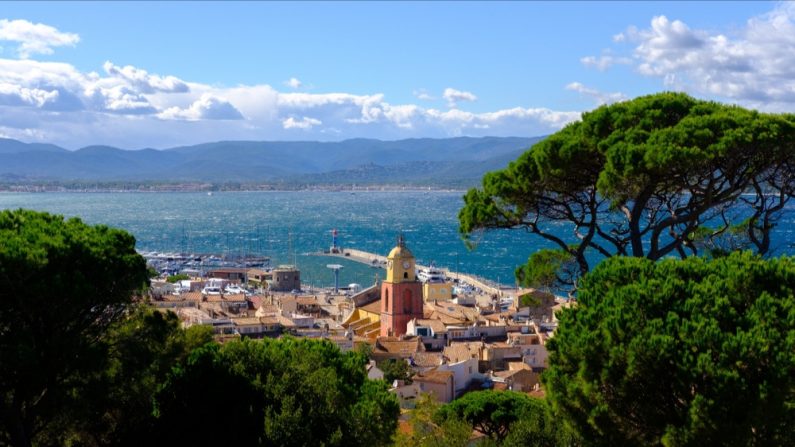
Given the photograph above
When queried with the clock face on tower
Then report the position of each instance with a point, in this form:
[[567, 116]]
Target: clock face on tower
[[406, 264], [389, 264]]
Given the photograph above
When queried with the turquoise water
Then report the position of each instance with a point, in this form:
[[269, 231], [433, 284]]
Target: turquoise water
[[278, 224]]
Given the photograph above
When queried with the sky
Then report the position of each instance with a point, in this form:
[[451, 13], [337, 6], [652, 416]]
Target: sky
[[139, 74]]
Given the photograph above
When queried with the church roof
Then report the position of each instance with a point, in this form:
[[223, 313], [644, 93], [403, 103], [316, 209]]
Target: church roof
[[400, 252]]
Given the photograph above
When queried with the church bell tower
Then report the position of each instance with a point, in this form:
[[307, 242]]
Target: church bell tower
[[401, 292]]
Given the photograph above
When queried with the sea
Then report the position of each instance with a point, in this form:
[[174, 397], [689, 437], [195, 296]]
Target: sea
[[291, 227]]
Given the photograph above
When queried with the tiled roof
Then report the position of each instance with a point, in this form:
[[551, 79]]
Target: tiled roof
[[193, 296], [434, 376], [458, 352], [393, 345], [426, 359], [247, 321], [236, 298], [307, 301], [374, 307]]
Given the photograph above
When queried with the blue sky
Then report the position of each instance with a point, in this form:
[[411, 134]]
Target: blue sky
[[163, 74]]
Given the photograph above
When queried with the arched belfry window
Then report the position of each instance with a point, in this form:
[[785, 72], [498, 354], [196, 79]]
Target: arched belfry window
[[405, 275]]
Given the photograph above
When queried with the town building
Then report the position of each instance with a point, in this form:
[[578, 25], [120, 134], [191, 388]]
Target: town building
[[285, 278]]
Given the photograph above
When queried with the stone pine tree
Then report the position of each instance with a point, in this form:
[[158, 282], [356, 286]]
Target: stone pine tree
[[62, 283], [679, 353], [641, 178], [274, 392]]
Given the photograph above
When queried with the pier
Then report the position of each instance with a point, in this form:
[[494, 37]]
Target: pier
[[376, 260]]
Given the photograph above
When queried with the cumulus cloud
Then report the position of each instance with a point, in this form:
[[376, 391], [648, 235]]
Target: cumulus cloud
[[130, 107], [303, 123], [453, 96], [208, 107], [753, 65], [293, 83], [15, 95], [34, 38], [143, 81], [598, 96]]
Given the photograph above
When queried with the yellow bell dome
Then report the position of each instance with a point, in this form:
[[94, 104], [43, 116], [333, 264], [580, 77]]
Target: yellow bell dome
[[400, 264]]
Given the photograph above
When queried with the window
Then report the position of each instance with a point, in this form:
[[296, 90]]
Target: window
[[405, 275], [386, 299]]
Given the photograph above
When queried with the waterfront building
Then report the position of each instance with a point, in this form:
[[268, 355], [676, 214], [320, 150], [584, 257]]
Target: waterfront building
[[286, 278], [437, 291], [401, 292]]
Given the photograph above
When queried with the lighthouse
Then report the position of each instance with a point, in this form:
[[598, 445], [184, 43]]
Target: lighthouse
[[334, 248]]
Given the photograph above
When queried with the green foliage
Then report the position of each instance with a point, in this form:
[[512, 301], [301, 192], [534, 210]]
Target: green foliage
[[491, 412], [197, 335], [275, 392], [175, 278], [396, 369], [547, 269], [692, 352], [639, 178], [62, 284], [429, 430]]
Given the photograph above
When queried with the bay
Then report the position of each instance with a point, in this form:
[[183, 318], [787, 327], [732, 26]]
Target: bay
[[289, 226]]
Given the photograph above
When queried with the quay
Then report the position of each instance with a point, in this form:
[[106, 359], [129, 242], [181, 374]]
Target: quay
[[376, 260]]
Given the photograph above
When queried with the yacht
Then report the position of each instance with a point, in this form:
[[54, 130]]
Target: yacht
[[234, 290], [430, 274], [213, 287]]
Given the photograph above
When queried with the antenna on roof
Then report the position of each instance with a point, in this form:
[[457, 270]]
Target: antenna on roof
[[401, 241]]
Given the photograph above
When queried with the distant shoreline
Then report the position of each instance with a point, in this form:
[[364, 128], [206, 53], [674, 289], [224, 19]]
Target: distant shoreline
[[217, 188]]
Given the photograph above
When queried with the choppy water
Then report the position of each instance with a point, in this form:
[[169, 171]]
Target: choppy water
[[278, 224]]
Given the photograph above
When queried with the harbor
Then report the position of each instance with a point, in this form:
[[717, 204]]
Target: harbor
[[379, 261]]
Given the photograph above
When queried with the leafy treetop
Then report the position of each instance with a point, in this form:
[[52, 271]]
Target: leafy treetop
[[639, 178]]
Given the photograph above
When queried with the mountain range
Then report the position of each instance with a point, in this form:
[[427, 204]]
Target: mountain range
[[457, 161]]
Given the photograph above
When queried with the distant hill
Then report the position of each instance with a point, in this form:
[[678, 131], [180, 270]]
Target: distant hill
[[426, 161]]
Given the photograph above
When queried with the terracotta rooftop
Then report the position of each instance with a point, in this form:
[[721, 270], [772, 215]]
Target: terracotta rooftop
[[427, 359], [374, 307], [436, 325], [458, 352], [246, 321], [237, 298], [192, 296], [307, 301], [393, 345]]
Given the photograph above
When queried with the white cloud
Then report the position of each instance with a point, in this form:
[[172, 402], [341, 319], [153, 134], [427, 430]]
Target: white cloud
[[604, 62], [423, 95], [598, 96], [303, 123], [34, 38], [15, 95], [143, 81], [208, 107], [753, 65], [293, 83], [453, 96], [130, 107]]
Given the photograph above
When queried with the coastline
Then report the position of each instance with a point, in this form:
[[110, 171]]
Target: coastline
[[217, 188]]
